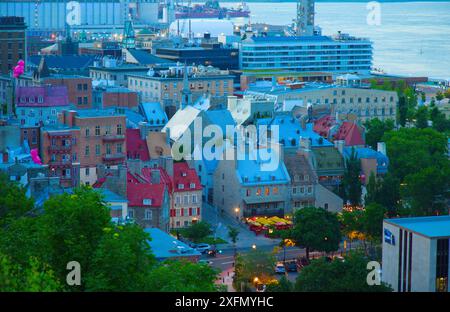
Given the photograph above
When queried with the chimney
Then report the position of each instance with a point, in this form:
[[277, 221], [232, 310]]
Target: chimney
[[168, 136], [167, 164], [155, 176], [381, 147], [303, 122], [70, 118], [339, 145], [143, 129]]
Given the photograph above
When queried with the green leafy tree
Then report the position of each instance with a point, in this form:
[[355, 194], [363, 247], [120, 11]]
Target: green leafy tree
[[351, 181], [233, 235], [254, 264], [423, 97], [338, 276], [428, 189], [389, 194], [372, 221], [182, 276], [447, 93], [316, 229], [198, 231], [34, 277], [418, 161], [411, 149], [122, 260], [440, 122], [384, 191], [72, 227], [14, 202], [422, 117], [283, 285], [372, 189], [402, 111], [376, 129], [439, 96]]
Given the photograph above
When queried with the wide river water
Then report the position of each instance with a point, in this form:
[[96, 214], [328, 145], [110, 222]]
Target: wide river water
[[412, 38]]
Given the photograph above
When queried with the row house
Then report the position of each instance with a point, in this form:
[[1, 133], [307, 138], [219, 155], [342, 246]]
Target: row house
[[40, 106], [187, 196], [244, 188], [295, 135], [101, 139], [59, 150], [79, 88], [166, 86]]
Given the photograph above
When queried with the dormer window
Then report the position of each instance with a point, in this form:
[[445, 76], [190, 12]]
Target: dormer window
[[181, 186], [192, 185], [147, 201], [183, 174]]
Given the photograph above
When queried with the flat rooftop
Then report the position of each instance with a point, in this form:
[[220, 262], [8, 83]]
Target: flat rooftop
[[432, 227]]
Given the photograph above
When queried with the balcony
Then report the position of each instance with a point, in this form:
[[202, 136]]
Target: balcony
[[59, 148], [114, 157], [113, 137]]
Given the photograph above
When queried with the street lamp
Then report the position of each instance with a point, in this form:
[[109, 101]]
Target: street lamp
[[236, 210], [254, 247]]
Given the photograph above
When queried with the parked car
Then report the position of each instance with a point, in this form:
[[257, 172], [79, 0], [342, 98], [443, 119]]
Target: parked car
[[202, 248], [291, 266], [279, 268], [260, 288]]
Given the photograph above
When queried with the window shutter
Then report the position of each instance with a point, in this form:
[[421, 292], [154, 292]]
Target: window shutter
[[190, 211], [198, 211], [182, 212]]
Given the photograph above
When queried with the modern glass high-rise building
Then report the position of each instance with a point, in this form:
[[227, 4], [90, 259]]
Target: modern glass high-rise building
[[337, 54]]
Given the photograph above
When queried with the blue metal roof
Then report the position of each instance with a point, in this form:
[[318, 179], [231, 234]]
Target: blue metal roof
[[368, 153], [252, 171], [290, 130], [433, 227], [66, 62], [110, 196], [154, 113], [221, 118], [165, 246]]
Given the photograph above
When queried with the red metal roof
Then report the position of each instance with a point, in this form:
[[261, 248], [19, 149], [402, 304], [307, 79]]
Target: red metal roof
[[322, 125], [186, 176], [136, 147], [349, 132], [138, 192]]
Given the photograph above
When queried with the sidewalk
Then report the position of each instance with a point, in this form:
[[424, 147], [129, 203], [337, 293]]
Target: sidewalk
[[246, 238], [226, 278]]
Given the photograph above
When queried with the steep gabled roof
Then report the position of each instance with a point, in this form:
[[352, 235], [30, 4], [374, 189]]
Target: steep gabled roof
[[136, 146], [184, 175], [350, 133]]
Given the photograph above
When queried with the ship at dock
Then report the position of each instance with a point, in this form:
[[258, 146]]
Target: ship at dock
[[211, 9]]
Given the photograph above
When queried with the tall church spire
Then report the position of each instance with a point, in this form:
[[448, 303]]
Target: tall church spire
[[186, 94]]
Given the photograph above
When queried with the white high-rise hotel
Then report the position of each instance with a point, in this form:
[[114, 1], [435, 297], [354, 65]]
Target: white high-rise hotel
[[307, 51]]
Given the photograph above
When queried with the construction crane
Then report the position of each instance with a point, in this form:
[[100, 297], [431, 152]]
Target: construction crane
[[180, 30]]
